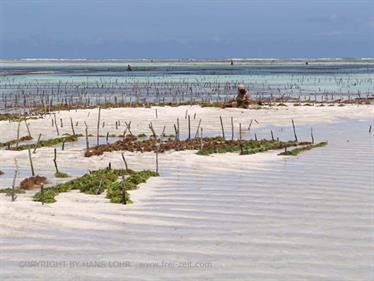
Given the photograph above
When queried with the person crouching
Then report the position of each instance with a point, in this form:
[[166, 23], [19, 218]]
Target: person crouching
[[243, 98]]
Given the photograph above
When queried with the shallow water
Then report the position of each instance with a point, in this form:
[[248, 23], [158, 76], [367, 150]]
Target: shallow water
[[99, 81]]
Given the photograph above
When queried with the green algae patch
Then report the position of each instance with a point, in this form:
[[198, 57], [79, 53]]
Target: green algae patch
[[47, 143], [61, 175], [9, 190], [298, 150], [96, 182], [12, 142], [49, 196], [245, 147]]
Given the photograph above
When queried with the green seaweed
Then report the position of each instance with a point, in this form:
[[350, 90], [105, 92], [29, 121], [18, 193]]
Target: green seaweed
[[11, 142], [298, 150], [246, 147], [61, 175], [9, 190], [49, 195], [96, 182], [47, 143]]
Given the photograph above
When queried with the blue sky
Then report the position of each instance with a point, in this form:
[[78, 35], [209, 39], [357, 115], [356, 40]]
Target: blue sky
[[186, 28]]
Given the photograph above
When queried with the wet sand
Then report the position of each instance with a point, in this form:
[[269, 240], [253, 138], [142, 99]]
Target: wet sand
[[253, 217]]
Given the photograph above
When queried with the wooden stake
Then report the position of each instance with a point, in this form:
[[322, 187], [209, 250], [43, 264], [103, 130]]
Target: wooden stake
[[311, 134], [58, 132], [28, 128], [157, 159], [198, 128], [201, 138], [128, 126], [240, 138], [189, 127], [72, 126], [14, 196], [98, 128], [223, 130], [152, 130], [31, 164], [178, 138], [294, 130], [55, 160], [232, 128], [18, 128], [37, 143], [42, 193], [123, 190], [86, 132], [124, 160]]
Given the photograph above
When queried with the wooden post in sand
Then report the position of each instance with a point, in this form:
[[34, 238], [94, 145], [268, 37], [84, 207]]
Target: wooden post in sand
[[272, 135], [72, 126], [123, 190], [189, 127], [86, 132], [198, 128], [232, 128], [98, 128], [370, 128], [128, 126], [311, 134], [55, 159], [250, 124], [31, 164], [152, 130], [37, 144], [201, 138], [176, 132], [223, 130], [14, 196], [28, 128], [58, 132], [157, 147], [19, 125], [178, 128], [240, 138], [294, 130], [124, 160], [42, 193]]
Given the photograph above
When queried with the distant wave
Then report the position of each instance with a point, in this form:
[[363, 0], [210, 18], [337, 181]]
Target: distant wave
[[186, 60]]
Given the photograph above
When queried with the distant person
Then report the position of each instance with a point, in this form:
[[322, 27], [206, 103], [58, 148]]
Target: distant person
[[129, 68], [243, 98]]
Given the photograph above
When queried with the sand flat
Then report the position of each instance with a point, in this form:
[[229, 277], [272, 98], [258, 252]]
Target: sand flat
[[254, 217]]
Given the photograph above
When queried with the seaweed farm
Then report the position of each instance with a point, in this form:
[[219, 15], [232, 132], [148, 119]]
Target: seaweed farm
[[26, 84], [142, 168]]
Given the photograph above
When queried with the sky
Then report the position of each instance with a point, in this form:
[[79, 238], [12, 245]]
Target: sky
[[186, 29]]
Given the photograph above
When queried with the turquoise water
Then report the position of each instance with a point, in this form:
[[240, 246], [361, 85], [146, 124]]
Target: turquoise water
[[184, 80]]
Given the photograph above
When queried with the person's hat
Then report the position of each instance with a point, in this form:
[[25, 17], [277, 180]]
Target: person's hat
[[241, 87]]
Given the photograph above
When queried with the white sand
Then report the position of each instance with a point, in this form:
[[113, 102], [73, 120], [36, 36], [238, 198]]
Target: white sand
[[255, 217]]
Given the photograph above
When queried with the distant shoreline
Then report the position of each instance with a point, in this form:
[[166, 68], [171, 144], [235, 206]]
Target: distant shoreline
[[192, 60]]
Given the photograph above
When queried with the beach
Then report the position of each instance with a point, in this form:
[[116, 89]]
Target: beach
[[221, 216]]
